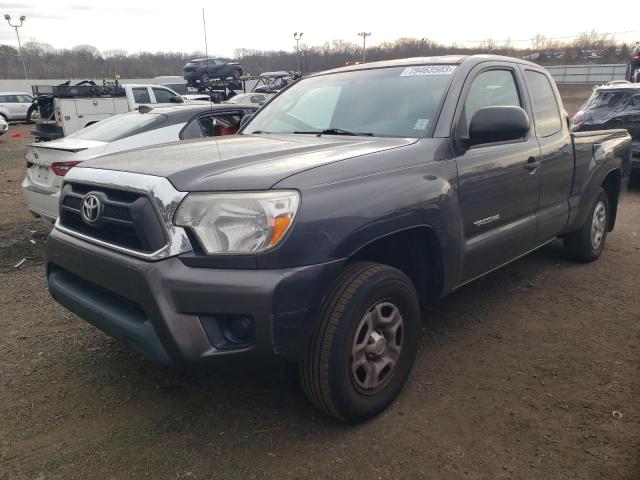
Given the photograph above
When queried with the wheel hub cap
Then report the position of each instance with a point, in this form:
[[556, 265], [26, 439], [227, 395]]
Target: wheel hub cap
[[376, 347], [598, 225]]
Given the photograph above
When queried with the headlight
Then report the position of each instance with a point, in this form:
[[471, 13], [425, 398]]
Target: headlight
[[238, 222]]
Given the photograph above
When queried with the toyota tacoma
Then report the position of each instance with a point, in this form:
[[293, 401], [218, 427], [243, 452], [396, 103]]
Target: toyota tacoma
[[316, 234]]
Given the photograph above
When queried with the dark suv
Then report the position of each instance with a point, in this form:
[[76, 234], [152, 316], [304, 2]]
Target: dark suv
[[202, 70]]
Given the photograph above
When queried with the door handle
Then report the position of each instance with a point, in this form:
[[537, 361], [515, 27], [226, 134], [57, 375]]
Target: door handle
[[532, 164]]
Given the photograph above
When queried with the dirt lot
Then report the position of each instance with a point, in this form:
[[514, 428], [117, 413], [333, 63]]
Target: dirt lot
[[518, 376]]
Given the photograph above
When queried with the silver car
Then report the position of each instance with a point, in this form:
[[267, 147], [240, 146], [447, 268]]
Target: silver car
[[15, 105]]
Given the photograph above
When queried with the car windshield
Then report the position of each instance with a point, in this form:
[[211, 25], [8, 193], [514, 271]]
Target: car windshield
[[119, 126], [385, 102]]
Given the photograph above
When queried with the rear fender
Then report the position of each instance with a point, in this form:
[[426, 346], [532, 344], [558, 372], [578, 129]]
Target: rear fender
[[597, 155]]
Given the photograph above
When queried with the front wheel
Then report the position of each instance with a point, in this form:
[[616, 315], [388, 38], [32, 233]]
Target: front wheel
[[586, 243], [365, 343], [204, 78]]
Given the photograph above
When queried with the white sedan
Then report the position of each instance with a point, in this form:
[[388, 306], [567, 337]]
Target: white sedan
[[49, 162]]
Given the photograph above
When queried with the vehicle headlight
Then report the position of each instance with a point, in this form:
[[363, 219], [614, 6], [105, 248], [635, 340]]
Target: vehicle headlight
[[248, 222]]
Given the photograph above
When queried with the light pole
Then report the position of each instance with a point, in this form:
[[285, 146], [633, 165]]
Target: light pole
[[364, 36], [16, 26], [297, 36]]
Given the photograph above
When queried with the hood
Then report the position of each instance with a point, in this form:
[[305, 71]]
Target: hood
[[242, 162]]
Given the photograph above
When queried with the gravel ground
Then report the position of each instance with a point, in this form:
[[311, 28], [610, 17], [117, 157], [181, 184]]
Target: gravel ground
[[530, 372]]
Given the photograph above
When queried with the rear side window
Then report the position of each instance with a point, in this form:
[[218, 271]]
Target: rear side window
[[120, 126], [141, 95], [545, 105]]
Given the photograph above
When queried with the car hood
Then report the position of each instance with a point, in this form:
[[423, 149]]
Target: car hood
[[242, 162]]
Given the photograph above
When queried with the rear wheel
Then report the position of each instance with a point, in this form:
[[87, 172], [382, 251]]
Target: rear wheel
[[236, 74], [30, 113], [204, 78], [365, 343], [586, 243]]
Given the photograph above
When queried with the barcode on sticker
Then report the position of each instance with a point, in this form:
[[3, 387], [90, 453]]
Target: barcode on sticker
[[428, 70]]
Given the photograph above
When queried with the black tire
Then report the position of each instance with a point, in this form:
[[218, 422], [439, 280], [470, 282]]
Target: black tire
[[204, 77], [326, 373], [580, 244], [32, 109], [236, 74]]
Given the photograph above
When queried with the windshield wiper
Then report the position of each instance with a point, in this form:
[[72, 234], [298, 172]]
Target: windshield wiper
[[336, 131]]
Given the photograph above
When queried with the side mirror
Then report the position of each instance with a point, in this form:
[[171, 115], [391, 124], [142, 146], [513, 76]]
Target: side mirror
[[246, 119], [176, 99], [498, 124]]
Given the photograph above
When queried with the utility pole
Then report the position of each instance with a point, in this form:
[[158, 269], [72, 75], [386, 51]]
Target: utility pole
[[16, 26], [297, 36], [206, 47], [364, 36]]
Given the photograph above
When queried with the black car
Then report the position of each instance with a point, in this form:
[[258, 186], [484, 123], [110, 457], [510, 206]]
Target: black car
[[633, 67], [610, 107], [202, 70]]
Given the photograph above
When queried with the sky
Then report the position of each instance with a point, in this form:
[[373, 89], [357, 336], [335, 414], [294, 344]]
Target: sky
[[161, 25]]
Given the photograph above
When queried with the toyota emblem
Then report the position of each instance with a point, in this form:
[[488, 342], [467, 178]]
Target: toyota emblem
[[91, 208]]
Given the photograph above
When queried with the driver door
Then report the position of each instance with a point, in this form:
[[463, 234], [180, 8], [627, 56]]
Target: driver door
[[498, 186]]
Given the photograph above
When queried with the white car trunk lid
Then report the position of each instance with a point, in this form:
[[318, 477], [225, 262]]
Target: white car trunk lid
[[40, 157]]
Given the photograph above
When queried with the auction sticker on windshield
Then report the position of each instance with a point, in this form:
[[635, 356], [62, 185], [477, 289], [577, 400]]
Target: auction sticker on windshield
[[428, 70]]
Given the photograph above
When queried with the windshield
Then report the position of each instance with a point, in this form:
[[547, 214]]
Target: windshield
[[385, 102], [119, 126]]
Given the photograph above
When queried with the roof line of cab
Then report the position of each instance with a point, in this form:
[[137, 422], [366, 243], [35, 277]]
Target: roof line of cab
[[443, 59]]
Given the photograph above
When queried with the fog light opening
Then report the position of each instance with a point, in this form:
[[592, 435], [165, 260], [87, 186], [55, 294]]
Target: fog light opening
[[238, 330]]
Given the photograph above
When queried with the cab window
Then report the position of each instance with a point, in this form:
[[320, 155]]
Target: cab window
[[141, 95], [545, 105], [162, 95], [491, 88]]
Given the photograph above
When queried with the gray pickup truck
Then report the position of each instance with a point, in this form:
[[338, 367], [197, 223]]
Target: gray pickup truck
[[316, 234]]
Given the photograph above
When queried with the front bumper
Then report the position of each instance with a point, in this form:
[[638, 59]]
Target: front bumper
[[164, 309]]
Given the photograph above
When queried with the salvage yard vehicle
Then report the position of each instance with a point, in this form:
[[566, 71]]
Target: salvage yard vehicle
[[15, 106], [202, 70], [250, 99], [316, 234], [49, 162], [632, 73], [273, 82], [65, 109], [4, 126], [613, 106]]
